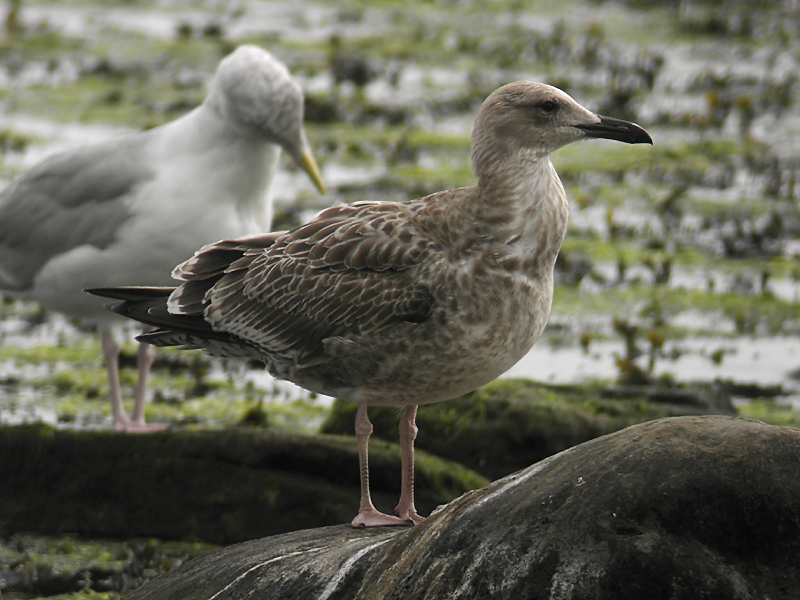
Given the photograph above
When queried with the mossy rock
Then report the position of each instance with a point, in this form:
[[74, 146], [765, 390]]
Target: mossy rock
[[510, 424], [683, 508], [218, 486]]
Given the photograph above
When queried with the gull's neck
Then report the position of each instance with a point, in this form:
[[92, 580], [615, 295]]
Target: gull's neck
[[524, 208], [243, 166]]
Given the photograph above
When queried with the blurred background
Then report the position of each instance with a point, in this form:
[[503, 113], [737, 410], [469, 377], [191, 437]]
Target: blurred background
[[678, 283]]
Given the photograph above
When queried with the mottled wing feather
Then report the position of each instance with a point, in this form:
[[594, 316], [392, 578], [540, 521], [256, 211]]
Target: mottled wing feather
[[229, 348], [214, 259], [209, 264], [346, 273]]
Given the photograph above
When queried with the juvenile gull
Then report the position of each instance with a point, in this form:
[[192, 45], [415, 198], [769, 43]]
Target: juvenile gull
[[128, 209], [396, 303]]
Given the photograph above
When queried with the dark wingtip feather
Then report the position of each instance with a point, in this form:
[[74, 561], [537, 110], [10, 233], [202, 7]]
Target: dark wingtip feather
[[147, 305], [130, 293]]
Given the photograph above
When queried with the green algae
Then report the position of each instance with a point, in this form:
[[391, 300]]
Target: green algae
[[69, 567], [81, 352], [771, 411], [356, 138]]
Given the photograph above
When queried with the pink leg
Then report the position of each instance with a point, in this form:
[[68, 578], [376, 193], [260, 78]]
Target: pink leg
[[408, 433], [147, 354], [121, 421], [111, 354], [368, 515]]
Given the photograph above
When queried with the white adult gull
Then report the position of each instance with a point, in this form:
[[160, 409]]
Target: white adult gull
[[396, 303], [128, 209]]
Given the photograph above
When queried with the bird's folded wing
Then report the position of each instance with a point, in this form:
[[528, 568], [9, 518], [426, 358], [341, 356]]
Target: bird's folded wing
[[349, 272], [69, 200]]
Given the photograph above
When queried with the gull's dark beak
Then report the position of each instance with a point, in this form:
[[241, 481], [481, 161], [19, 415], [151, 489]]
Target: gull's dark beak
[[616, 129]]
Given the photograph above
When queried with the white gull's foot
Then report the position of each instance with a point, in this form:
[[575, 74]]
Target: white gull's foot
[[126, 425]]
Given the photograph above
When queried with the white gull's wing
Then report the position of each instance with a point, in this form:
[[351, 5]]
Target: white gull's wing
[[71, 199]]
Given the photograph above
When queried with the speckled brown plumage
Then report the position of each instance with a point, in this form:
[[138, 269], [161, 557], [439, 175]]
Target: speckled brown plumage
[[397, 303]]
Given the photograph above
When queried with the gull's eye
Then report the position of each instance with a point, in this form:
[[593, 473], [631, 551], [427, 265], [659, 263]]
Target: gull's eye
[[548, 106]]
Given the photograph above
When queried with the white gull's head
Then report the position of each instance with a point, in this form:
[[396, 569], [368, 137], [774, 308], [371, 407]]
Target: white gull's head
[[255, 94]]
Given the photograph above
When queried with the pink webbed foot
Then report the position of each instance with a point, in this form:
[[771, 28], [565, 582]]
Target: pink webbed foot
[[375, 518], [126, 425], [410, 515]]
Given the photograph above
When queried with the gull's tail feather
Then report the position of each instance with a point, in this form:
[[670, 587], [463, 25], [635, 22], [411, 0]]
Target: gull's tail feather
[[148, 305]]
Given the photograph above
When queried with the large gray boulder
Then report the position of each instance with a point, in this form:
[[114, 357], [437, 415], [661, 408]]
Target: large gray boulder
[[687, 507]]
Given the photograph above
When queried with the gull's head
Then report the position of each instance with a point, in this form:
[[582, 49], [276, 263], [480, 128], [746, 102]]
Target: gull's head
[[537, 119], [257, 97]]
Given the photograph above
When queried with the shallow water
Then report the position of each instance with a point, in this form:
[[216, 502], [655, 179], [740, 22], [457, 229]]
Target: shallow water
[[762, 361]]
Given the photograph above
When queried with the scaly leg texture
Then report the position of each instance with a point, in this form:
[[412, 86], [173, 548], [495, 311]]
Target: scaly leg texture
[[408, 433], [368, 515]]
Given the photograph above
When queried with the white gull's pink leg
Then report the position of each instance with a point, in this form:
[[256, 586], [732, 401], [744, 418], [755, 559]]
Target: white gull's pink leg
[[111, 354], [146, 356], [120, 420]]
